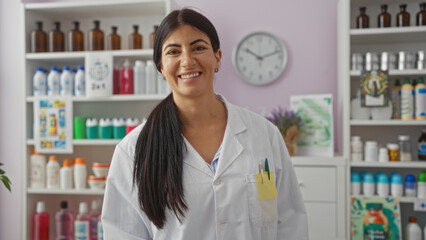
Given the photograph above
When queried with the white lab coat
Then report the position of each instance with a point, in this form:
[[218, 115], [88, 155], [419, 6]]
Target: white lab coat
[[221, 206]]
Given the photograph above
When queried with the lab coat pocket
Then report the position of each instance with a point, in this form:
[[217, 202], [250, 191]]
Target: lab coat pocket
[[262, 212]]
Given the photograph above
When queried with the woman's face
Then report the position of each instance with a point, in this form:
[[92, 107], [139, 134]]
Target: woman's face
[[188, 62]]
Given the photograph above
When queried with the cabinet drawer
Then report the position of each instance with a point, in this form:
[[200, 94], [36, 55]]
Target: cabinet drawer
[[321, 221], [317, 183]]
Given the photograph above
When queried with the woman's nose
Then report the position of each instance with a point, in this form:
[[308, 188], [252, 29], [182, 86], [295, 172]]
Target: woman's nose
[[187, 58]]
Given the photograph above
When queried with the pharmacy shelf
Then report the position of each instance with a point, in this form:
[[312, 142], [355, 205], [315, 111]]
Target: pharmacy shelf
[[388, 35], [114, 98], [110, 9], [317, 161], [358, 3], [63, 56], [67, 192], [412, 164], [401, 199], [393, 72], [388, 122], [88, 142]]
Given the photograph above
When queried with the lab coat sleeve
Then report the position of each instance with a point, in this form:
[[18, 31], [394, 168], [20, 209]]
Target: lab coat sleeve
[[122, 217], [292, 219]]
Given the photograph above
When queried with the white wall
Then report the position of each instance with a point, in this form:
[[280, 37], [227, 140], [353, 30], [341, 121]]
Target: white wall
[[11, 117]]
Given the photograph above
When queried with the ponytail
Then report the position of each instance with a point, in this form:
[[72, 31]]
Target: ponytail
[[158, 165]]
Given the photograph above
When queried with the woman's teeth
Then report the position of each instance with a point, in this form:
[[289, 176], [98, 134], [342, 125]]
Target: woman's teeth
[[190, 75]]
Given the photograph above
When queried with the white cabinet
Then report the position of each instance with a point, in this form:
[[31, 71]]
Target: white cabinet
[[322, 183], [373, 39], [124, 14]]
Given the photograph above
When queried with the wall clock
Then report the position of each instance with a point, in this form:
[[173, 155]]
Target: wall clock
[[260, 58]]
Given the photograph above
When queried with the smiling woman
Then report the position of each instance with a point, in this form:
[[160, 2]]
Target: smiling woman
[[198, 162]]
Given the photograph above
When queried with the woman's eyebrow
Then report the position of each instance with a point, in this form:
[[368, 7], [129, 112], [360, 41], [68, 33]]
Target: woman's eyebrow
[[192, 43]]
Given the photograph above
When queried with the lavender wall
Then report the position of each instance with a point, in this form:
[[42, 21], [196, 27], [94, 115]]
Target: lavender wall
[[307, 27]]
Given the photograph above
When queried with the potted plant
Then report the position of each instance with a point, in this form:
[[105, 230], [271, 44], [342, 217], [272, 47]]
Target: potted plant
[[4, 178], [289, 123]]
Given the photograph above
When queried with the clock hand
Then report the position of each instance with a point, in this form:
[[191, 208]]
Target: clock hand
[[270, 54], [254, 54]]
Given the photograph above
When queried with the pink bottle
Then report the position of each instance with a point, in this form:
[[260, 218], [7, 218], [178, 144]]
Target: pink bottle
[[64, 223], [126, 78], [82, 224], [94, 216], [41, 223]]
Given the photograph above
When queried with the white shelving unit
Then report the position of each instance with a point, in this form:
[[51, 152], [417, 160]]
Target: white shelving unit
[[124, 14], [393, 39]]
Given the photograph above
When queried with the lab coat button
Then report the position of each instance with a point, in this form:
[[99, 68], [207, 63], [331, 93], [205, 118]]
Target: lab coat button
[[216, 182]]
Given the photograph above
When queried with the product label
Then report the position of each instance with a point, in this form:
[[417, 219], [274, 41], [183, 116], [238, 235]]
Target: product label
[[81, 230], [396, 103], [422, 149], [94, 226], [421, 102], [375, 231], [407, 103]]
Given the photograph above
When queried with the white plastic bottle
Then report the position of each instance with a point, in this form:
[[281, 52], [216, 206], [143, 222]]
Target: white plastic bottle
[[383, 185], [73, 73], [150, 78], [66, 82], [396, 185], [82, 223], [52, 173], [80, 173], [368, 186], [407, 100], [66, 175], [139, 77], [413, 230], [39, 83], [370, 151], [355, 184], [38, 171], [80, 82], [356, 148], [53, 82]]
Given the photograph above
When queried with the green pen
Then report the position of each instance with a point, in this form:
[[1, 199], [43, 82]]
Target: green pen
[[267, 168]]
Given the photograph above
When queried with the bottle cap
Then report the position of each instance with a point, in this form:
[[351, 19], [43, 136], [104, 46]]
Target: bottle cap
[[392, 146], [412, 220], [355, 178], [132, 122], [118, 122], [64, 204], [105, 122], [83, 208], [355, 138], [53, 158], [422, 177], [362, 9], [396, 179], [410, 178], [91, 122], [374, 206], [52, 68], [407, 81], [80, 68], [39, 154], [66, 163], [403, 137], [383, 178], [368, 178], [66, 68], [39, 69], [384, 7], [80, 161], [41, 207], [73, 162], [403, 6]]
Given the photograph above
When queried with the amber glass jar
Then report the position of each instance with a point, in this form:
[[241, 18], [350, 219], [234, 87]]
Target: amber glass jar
[[56, 39], [114, 40], [135, 39], [152, 37], [75, 38], [362, 21], [384, 18], [421, 16], [403, 17], [38, 39], [96, 37]]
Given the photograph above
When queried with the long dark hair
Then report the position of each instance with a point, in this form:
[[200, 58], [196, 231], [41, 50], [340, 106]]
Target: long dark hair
[[158, 166]]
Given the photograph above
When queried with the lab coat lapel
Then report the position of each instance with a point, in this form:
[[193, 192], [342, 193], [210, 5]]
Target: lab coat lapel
[[194, 160], [231, 146]]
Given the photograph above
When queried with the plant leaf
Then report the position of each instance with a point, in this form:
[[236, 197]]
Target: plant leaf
[[6, 183], [2, 172], [1, 164]]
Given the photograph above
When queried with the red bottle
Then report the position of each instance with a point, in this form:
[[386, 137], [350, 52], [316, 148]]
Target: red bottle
[[41, 223], [126, 78], [116, 80]]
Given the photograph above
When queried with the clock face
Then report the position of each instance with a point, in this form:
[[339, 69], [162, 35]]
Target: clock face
[[260, 58]]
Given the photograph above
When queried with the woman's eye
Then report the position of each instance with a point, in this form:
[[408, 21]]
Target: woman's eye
[[172, 52], [200, 48]]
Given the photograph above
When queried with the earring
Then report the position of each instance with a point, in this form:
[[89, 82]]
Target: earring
[[164, 77], [216, 70]]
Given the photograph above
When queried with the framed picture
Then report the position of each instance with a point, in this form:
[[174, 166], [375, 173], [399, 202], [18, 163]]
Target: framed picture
[[374, 88], [53, 125], [316, 136]]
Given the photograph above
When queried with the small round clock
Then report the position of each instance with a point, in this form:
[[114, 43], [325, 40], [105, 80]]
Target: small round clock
[[260, 58]]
